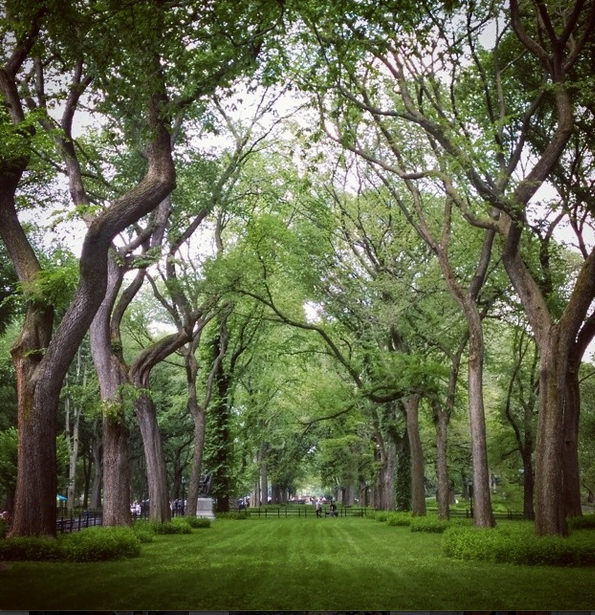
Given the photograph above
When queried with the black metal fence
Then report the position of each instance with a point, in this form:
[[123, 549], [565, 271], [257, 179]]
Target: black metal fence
[[74, 521]]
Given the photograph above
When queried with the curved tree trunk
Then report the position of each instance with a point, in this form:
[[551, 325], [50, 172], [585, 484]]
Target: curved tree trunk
[[42, 363]]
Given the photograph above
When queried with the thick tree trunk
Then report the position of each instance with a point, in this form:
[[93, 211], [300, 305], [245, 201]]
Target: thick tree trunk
[[550, 513], [112, 376], [159, 509], [34, 513], [384, 492], [116, 471], [418, 493]]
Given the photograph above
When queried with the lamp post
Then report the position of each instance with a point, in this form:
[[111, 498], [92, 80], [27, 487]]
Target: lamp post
[[183, 494]]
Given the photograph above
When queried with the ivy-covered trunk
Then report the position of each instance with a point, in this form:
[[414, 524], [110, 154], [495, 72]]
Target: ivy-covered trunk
[[220, 449], [198, 416], [402, 473]]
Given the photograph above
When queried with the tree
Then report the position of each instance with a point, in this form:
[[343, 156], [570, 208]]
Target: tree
[[426, 73], [41, 356]]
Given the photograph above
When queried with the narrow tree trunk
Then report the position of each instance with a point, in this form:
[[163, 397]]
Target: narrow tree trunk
[[96, 451], [571, 477], [441, 418], [73, 459], [264, 484], [483, 515], [418, 494]]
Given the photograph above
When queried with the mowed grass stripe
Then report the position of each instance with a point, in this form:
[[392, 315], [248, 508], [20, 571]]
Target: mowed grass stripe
[[295, 564]]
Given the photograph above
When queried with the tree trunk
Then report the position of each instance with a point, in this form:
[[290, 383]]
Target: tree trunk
[[418, 493], [73, 459], [550, 513], [385, 479], [159, 509], [483, 516], [441, 417], [264, 485], [96, 451], [112, 376], [571, 471], [528, 482]]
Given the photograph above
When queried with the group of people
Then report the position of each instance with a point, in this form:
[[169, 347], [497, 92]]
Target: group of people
[[332, 509]]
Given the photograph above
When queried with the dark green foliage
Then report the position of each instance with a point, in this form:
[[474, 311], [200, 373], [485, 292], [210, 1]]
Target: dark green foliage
[[232, 515], [403, 477], [586, 522], [198, 522], [97, 544], [31, 549], [434, 525], [3, 528], [143, 530], [380, 515], [175, 526], [399, 519], [428, 524], [90, 545], [518, 544]]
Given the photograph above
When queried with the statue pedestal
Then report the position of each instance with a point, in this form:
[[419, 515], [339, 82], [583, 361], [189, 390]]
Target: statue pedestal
[[204, 508]]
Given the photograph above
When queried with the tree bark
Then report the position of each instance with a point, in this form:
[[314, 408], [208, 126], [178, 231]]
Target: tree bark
[[549, 462], [418, 494], [441, 417], [571, 470], [159, 509], [198, 416]]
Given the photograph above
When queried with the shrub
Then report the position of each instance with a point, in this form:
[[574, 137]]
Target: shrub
[[518, 544], [30, 548], [585, 522], [432, 525], [380, 515], [144, 531], [3, 528], [175, 526], [198, 522], [400, 519], [100, 544], [236, 516]]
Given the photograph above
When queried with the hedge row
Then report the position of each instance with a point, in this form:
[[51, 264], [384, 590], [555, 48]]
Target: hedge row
[[518, 544], [95, 543], [89, 545]]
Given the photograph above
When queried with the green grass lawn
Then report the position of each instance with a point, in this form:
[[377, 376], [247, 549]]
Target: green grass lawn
[[295, 564]]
